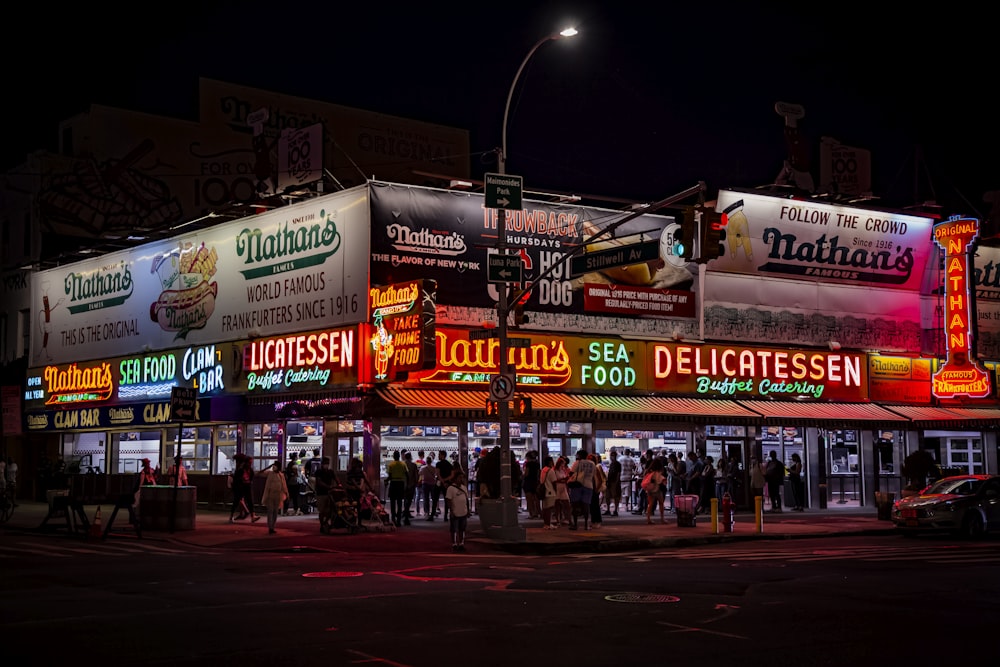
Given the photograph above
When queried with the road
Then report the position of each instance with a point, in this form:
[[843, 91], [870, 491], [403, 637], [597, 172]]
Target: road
[[848, 601]]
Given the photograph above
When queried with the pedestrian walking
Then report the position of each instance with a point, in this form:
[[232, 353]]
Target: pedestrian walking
[[242, 487], [275, 495], [457, 499]]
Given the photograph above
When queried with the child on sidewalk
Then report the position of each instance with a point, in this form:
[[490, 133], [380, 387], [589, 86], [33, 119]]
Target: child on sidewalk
[[458, 502]]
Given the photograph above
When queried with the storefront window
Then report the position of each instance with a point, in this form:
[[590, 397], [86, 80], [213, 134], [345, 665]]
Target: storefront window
[[129, 448], [196, 448], [423, 442], [84, 452], [227, 441], [263, 443]]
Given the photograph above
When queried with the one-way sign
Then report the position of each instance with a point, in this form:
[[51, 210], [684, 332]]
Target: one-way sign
[[612, 257]]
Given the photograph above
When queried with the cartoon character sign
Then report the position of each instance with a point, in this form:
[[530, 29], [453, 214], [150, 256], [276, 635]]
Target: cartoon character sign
[[381, 342]]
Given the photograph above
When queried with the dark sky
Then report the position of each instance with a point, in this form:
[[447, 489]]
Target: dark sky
[[647, 100]]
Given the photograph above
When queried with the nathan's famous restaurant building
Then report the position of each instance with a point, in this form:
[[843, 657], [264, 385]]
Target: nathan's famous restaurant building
[[343, 324]]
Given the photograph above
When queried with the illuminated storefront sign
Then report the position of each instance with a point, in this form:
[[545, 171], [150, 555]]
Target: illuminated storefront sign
[[109, 416], [735, 371], [606, 365], [544, 363], [899, 379], [68, 384], [301, 362], [403, 317], [960, 375]]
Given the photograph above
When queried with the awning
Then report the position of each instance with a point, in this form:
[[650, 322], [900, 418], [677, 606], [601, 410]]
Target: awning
[[656, 408], [342, 402], [471, 404], [949, 417], [823, 414]]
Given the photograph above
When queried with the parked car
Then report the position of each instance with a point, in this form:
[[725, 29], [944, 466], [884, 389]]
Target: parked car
[[967, 505]]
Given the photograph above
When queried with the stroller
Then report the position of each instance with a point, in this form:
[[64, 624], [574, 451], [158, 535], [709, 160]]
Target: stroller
[[343, 512], [373, 514]]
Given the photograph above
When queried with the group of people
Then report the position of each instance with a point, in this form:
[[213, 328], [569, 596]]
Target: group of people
[[770, 476], [567, 493]]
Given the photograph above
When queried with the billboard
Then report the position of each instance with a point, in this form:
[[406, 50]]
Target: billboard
[[292, 269], [447, 236]]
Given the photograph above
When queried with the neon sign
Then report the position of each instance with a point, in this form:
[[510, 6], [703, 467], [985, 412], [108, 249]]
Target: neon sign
[[960, 375], [742, 371], [301, 361], [403, 316], [544, 363], [76, 384]]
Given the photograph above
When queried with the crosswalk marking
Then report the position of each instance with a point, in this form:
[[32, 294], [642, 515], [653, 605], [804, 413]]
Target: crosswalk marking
[[970, 554]]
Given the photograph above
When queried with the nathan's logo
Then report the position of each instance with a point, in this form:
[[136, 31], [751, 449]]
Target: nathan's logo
[[427, 241], [960, 375], [188, 297], [987, 281], [293, 245], [104, 288], [464, 361], [74, 384], [278, 119], [827, 258]]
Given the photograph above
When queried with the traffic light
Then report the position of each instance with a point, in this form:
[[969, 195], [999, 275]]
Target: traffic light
[[684, 238], [520, 319], [492, 409], [521, 406], [712, 233]]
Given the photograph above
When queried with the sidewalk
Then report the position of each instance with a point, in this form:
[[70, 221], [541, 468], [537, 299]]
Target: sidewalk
[[626, 532]]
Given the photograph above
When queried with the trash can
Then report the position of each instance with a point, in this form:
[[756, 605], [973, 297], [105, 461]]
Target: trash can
[[685, 507], [883, 503]]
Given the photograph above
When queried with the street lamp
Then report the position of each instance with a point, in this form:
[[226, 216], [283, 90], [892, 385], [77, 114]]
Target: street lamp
[[509, 528]]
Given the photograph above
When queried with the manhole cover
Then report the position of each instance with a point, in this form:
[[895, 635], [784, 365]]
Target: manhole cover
[[297, 550], [332, 575], [641, 598]]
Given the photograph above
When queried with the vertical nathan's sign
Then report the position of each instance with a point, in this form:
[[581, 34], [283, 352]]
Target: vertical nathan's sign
[[404, 317], [960, 375]]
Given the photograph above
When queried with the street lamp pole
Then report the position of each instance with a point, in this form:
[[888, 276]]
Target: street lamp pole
[[509, 528]]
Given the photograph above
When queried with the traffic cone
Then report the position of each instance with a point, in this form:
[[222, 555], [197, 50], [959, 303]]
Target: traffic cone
[[95, 526]]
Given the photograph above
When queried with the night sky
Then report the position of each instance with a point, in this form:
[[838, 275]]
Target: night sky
[[647, 100]]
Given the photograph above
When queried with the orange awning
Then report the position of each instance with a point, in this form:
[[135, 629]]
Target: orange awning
[[947, 417], [471, 404], [657, 408], [829, 414]]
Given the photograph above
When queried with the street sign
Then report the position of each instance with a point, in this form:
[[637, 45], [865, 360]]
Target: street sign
[[518, 342], [503, 191], [504, 269], [183, 401], [484, 334], [610, 258], [502, 387]]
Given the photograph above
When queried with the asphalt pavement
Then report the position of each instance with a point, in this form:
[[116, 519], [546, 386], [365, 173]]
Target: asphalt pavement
[[626, 532]]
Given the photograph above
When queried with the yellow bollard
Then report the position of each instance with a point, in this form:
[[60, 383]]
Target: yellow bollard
[[715, 515], [758, 513]]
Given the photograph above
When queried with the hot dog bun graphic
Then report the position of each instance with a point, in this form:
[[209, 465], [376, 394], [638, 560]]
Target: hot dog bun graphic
[[186, 309]]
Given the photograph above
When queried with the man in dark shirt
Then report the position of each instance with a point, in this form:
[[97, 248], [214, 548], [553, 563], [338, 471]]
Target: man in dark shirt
[[444, 469], [325, 480]]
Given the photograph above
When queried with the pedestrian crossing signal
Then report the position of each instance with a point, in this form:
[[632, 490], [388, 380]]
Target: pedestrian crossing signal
[[521, 406], [492, 409], [713, 234]]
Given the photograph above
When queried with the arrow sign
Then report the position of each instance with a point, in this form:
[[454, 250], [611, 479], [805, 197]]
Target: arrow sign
[[504, 269], [183, 401], [503, 191], [610, 258]]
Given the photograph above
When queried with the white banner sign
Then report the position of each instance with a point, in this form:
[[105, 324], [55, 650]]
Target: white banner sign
[[292, 269], [803, 240]]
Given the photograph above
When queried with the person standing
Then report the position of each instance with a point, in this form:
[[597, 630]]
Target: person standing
[[444, 470], [546, 479], [292, 484], [613, 494], [177, 473], [428, 480], [581, 489], [674, 477], [757, 480], [774, 475], [721, 476], [652, 484], [10, 477], [532, 471], [628, 479], [708, 473], [275, 495], [798, 484], [600, 486], [560, 475], [412, 474], [457, 500], [323, 484], [693, 478], [396, 472]]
